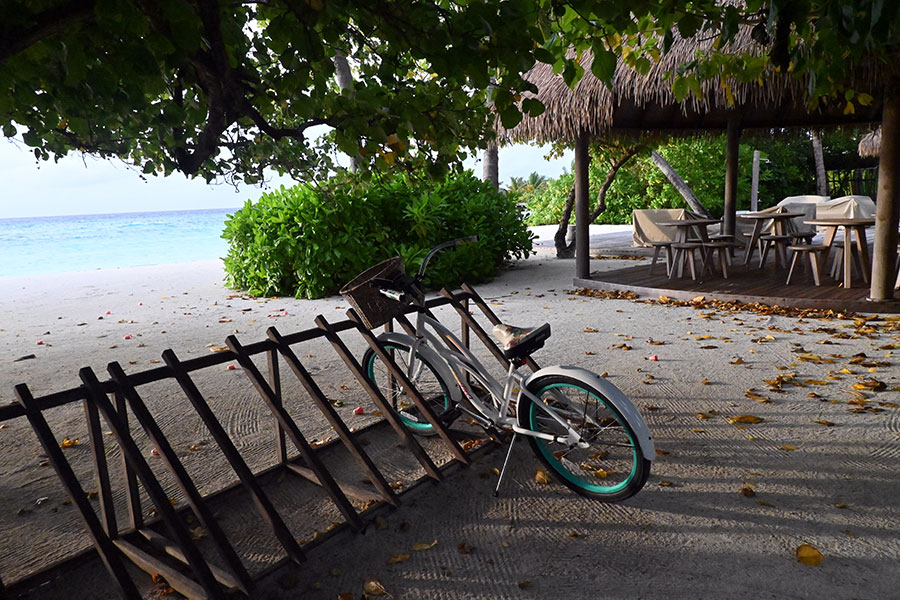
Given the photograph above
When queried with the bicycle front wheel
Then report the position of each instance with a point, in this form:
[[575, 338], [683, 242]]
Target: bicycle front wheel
[[423, 376], [608, 465]]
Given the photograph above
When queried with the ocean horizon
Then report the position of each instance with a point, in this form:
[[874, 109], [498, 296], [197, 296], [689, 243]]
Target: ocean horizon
[[69, 243]]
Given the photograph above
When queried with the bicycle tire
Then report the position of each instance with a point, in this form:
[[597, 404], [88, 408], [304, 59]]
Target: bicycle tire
[[613, 467], [426, 380]]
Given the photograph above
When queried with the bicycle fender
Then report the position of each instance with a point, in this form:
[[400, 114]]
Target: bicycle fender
[[433, 358], [611, 393]]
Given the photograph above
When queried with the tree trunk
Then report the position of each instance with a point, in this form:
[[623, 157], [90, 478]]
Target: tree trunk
[[887, 205], [345, 83], [491, 170], [676, 180], [821, 178], [564, 250]]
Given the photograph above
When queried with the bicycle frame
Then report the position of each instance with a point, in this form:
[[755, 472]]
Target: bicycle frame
[[432, 334]]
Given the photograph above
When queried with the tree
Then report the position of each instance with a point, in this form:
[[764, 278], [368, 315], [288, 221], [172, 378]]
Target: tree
[[217, 89]]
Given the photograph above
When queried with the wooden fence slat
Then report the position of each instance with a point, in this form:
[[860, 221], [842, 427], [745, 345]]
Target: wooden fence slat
[[318, 397], [154, 489], [180, 583], [263, 504], [275, 383], [101, 470], [409, 388], [293, 432], [108, 553], [375, 394], [135, 512], [182, 478]]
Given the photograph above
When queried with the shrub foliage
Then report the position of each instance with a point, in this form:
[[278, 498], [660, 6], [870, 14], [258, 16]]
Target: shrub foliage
[[308, 241]]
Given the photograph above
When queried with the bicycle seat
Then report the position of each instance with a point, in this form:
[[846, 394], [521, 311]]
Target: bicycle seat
[[519, 342]]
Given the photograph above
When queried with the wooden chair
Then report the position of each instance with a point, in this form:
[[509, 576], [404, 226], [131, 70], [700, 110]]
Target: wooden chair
[[724, 249], [683, 253], [816, 263], [780, 243], [657, 246]]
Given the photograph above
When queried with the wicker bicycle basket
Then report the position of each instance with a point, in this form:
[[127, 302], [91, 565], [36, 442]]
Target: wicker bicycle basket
[[374, 308]]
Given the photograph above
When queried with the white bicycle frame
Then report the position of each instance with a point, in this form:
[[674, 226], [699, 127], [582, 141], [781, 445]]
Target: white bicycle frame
[[453, 361]]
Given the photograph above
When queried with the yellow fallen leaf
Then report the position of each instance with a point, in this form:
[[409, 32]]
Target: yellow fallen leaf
[[787, 447], [219, 349], [737, 361], [422, 546], [825, 423], [763, 503], [68, 443], [816, 382], [747, 419], [703, 416], [747, 491], [373, 587], [542, 477], [399, 557], [808, 555]]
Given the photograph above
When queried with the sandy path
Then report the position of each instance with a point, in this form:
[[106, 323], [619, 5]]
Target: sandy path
[[690, 533]]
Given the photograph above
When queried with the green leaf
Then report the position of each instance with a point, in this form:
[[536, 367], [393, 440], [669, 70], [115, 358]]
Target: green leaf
[[681, 88], [543, 55], [532, 106], [604, 65]]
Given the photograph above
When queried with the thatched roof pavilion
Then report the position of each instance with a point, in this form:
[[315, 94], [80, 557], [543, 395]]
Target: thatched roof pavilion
[[870, 144], [641, 104]]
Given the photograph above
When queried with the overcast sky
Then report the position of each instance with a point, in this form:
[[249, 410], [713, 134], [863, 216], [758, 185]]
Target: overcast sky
[[85, 185]]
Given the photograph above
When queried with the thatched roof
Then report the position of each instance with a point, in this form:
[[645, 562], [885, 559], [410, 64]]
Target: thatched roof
[[646, 103], [870, 144]]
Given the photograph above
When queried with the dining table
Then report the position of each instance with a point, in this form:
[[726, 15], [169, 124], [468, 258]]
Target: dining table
[[851, 227], [684, 227], [779, 225]]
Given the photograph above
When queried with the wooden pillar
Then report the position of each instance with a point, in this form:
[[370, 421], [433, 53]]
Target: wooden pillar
[[582, 227], [731, 172], [887, 206]]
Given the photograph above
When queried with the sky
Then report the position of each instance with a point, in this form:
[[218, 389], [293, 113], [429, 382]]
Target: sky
[[80, 185]]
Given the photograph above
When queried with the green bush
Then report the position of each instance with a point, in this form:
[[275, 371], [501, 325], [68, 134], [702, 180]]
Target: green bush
[[308, 241]]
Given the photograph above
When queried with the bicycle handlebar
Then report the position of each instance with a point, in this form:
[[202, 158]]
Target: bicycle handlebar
[[405, 289]]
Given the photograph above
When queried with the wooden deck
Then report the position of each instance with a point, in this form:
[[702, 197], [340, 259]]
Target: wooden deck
[[744, 284]]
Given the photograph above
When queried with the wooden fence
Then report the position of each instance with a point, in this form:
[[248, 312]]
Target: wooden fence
[[165, 545]]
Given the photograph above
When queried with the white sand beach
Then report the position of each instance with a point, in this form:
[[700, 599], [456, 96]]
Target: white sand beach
[[725, 509]]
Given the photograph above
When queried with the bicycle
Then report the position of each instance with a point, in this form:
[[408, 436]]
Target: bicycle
[[579, 425]]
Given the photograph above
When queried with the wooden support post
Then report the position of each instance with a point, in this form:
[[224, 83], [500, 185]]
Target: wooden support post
[[101, 470], [107, 551], [275, 384], [319, 399], [293, 432], [754, 183], [135, 512], [380, 401], [733, 142], [176, 467], [887, 206], [582, 210], [263, 504], [409, 388], [157, 494]]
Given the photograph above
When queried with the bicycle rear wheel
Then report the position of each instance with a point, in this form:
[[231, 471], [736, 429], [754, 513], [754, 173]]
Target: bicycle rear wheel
[[612, 466], [424, 377]]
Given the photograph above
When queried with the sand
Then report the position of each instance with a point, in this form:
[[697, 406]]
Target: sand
[[725, 509]]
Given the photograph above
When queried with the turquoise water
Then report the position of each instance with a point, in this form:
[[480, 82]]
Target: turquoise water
[[34, 246]]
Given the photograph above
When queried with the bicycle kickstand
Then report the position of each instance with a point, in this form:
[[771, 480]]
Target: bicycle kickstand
[[505, 462]]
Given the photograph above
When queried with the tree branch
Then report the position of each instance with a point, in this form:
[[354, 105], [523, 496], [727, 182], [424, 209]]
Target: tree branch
[[47, 24]]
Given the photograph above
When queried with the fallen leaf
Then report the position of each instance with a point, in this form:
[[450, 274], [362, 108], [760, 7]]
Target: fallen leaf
[[825, 423], [787, 447], [703, 416], [422, 546], [591, 330], [542, 477], [68, 442], [373, 587], [737, 361], [747, 491], [219, 349], [525, 585], [464, 548], [399, 557], [764, 503], [808, 555], [746, 419]]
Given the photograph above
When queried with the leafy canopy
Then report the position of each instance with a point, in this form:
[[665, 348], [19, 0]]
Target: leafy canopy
[[223, 89]]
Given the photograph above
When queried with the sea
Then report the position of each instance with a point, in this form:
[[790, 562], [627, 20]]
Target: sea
[[41, 245]]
